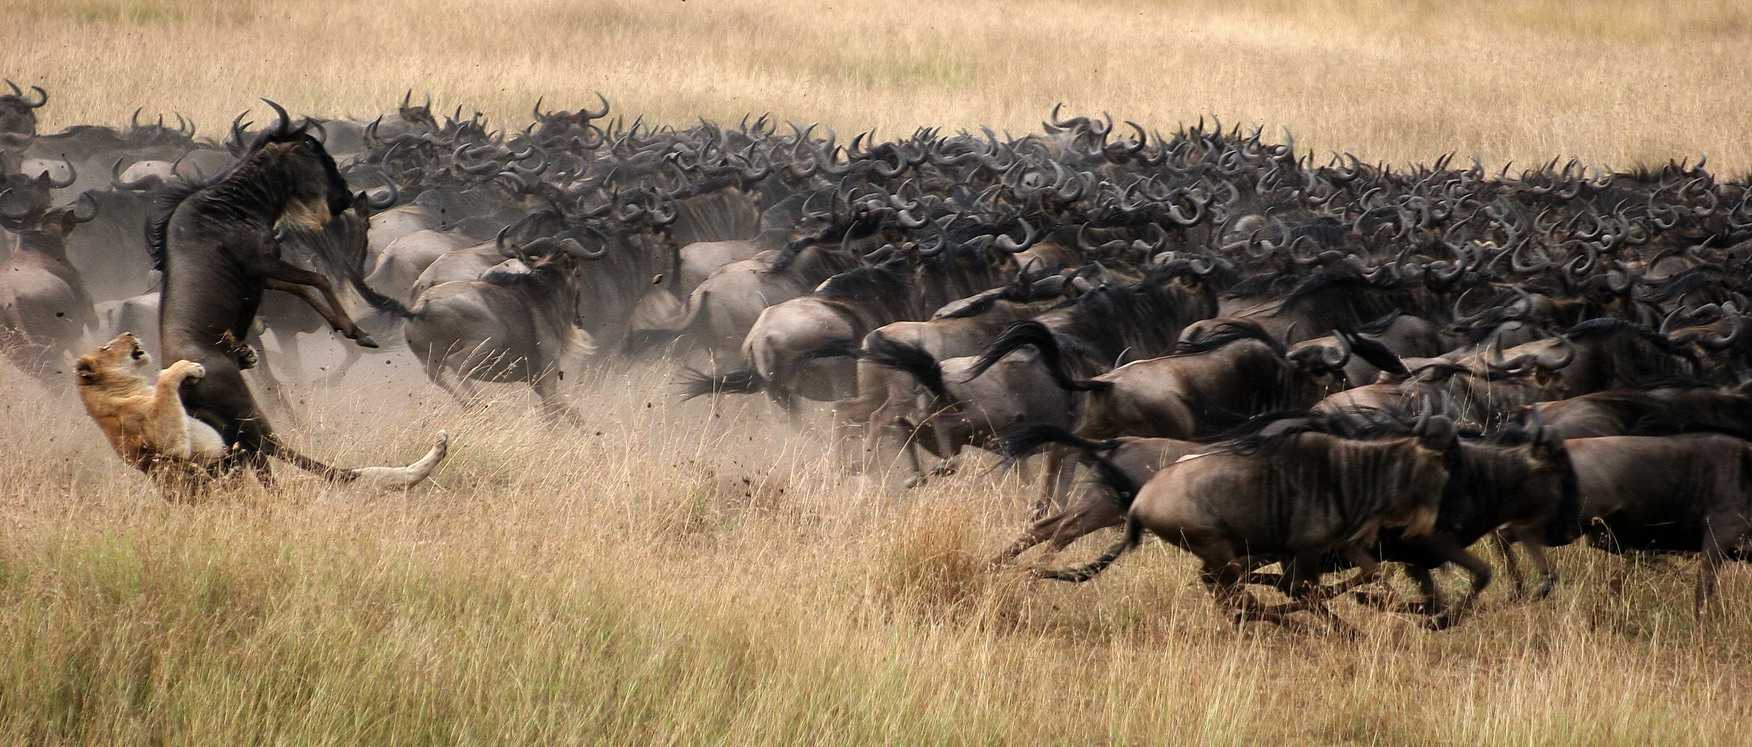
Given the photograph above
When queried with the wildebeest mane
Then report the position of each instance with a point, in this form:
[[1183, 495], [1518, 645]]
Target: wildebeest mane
[[164, 204], [864, 282], [1228, 331]]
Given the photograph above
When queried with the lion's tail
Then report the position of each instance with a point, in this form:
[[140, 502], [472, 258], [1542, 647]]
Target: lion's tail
[[387, 477]]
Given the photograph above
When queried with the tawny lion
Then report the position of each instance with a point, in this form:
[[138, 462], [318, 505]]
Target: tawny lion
[[143, 417]]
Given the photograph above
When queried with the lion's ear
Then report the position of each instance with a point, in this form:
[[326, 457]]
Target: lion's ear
[[85, 371]]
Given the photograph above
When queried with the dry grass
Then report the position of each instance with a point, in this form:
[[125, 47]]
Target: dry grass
[[684, 578], [670, 576], [1612, 81]]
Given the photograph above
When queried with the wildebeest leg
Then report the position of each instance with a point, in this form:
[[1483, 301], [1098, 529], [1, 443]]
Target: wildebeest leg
[[264, 471], [315, 290], [1709, 563], [554, 406], [1450, 551], [907, 434], [1089, 515], [1547, 571], [464, 391], [946, 448], [1051, 494], [1506, 547]]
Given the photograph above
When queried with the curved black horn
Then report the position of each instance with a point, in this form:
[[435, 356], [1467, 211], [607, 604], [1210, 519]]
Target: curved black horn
[[72, 175], [284, 126], [1029, 236]]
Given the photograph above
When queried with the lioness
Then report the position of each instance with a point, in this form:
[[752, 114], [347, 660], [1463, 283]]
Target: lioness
[[144, 419], [150, 429]]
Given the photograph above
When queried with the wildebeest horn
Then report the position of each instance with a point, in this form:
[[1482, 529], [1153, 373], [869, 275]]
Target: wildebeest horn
[[1666, 328], [392, 194], [138, 185], [1569, 355], [586, 114], [42, 95], [1029, 236], [1493, 356], [284, 126], [72, 175], [568, 245], [1335, 359], [1737, 325], [314, 124], [134, 119], [238, 142]]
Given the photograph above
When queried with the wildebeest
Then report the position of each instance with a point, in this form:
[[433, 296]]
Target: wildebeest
[[18, 124], [45, 309], [957, 330], [218, 247], [1671, 494], [514, 323], [1292, 492], [1659, 411], [1118, 467], [973, 399]]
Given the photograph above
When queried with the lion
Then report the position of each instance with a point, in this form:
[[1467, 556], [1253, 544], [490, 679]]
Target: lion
[[140, 410]]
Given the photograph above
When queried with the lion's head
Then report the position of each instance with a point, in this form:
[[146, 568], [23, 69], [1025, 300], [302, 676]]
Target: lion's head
[[122, 359]]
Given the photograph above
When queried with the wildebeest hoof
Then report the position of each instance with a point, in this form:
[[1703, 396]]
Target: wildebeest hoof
[[1547, 585], [944, 469], [1442, 620], [365, 341]]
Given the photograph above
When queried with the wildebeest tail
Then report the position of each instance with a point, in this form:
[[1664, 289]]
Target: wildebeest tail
[[376, 300], [696, 383], [1022, 440], [1134, 531], [1374, 353], [836, 349], [909, 359], [1028, 332]]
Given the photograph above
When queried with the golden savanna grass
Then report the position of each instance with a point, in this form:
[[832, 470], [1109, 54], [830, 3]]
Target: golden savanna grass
[[678, 574]]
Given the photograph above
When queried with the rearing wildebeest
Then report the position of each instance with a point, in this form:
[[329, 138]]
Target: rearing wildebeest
[[218, 246]]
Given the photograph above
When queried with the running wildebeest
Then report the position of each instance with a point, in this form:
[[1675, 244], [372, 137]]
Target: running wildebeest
[[1293, 492]]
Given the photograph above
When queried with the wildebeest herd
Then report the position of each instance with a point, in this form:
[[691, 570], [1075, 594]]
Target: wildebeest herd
[[1257, 357]]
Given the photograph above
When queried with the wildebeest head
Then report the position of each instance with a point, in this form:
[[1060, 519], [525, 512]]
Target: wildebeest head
[[23, 199], [1323, 358], [315, 189], [51, 227], [417, 115], [18, 123]]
